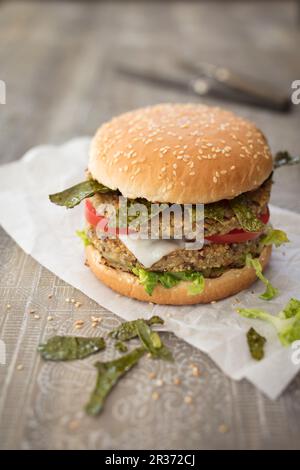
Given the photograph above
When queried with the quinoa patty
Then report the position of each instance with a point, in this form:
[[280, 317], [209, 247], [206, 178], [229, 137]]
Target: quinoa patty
[[211, 260]]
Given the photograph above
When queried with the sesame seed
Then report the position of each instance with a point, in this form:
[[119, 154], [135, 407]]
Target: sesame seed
[[20, 367], [78, 304], [67, 300], [155, 396], [195, 372], [37, 317], [215, 179], [159, 382], [72, 301], [232, 167], [49, 318], [223, 428], [8, 306], [188, 399], [31, 311], [96, 319], [73, 425]]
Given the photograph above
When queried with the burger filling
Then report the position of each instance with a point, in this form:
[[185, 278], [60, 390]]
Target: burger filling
[[220, 217], [234, 231]]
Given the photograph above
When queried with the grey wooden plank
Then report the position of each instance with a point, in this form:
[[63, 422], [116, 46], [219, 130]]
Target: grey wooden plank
[[57, 60]]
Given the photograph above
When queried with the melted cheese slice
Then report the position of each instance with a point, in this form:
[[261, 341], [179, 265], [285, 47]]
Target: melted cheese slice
[[149, 252]]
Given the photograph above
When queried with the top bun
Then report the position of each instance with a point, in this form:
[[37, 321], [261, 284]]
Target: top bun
[[180, 153]]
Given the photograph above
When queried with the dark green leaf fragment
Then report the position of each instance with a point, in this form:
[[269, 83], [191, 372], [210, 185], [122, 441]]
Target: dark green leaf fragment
[[69, 348], [72, 196], [121, 347], [248, 221], [128, 330], [215, 211], [108, 375], [284, 158], [256, 344], [152, 342]]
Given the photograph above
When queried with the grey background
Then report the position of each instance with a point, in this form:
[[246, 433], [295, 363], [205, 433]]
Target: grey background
[[57, 61]]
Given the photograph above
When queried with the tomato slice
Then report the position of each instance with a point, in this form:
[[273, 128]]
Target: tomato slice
[[90, 213], [265, 217], [100, 221], [237, 235]]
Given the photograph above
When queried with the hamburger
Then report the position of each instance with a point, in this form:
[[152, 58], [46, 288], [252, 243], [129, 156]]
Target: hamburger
[[182, 154]]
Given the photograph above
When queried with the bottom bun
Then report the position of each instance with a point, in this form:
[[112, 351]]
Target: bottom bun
[[230, 283]]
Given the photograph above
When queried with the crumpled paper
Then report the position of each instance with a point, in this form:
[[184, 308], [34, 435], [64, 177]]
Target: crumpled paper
[[47, 233]]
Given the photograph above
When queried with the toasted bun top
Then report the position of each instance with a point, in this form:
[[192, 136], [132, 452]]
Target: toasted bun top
[[180, 153]]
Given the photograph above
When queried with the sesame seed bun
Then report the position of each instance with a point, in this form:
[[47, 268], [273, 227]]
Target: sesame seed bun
[[180, 153], [230, 283]]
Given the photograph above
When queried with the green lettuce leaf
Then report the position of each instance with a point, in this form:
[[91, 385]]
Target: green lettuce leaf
[[248, 221], [72, 196], [195, 278], [274, 237], [271, 291], [83, 236], [147, 278], [150, 279], [291, 309], [287, 322]]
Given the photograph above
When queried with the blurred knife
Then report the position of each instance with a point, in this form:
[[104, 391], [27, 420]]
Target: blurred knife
[[261, 92], [203, 86]]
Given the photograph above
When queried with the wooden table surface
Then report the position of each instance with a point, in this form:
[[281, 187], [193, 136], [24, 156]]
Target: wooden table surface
[[57, 61]]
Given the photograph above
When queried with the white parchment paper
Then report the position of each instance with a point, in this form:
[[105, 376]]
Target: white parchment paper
[[47, 233]]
